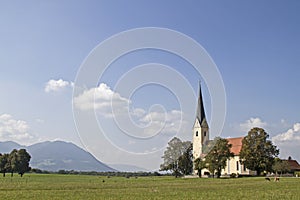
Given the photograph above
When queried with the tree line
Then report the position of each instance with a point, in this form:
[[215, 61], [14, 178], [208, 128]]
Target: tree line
[[257, 154], [108, 174], [17, 161]]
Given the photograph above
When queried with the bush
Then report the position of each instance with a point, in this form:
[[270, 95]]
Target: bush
[[62, 171], [233, 175], [38, 171], [245, 175], [156, 174], [206, 173]]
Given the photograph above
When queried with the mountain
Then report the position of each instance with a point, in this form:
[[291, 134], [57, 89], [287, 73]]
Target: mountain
[[58, 155], [128, 168], [7, 147]]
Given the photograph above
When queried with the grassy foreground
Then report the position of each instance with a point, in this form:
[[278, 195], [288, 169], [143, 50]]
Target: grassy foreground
[[52, 186]]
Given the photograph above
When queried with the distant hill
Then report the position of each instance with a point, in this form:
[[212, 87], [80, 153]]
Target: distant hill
[[7, 147], [128, 168], [58, 155]]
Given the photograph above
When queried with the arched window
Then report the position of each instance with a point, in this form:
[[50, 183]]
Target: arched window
[[196, 133], [204, 133]]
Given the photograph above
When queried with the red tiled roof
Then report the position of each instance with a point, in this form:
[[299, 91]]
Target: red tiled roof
[[236, 144], [294, 165]]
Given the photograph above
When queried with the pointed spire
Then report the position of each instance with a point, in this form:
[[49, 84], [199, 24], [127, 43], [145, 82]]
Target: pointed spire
[[200, 107]]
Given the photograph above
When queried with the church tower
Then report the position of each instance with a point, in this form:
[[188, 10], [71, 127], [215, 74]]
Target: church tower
[[200, 128]]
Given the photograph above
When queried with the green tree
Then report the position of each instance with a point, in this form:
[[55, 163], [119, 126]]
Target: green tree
[[185, 163], [280, 166], [12, 164], [176, 157], [199, 165], [3, 163], [257, 151], [16, 161], [218, 155], [23, 159], [277, 165]]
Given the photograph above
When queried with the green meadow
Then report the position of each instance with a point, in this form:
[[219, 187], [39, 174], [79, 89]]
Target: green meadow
[[53, 186]]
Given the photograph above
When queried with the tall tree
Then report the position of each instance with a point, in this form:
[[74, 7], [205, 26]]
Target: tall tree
[[199, 165], [257, 151], [185, 163], [4, 166], [176, 158], [23, 159], [218, 155], [12, 164]]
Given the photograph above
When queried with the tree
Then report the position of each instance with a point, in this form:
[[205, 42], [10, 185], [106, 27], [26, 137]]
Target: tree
[[277, 165], [177, 157], [4, 163], [281, 166], [257, 151], [185, 162], [23, 159], [12, 164], [218, 155], [199, 165], [16, 161]]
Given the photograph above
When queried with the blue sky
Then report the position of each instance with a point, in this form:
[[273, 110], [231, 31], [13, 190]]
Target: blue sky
[[255, 45]]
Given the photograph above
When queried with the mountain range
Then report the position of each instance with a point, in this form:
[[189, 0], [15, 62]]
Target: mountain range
[[58, 155]]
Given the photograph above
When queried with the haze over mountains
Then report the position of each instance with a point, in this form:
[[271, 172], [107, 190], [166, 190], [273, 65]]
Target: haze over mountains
[[58, 155]]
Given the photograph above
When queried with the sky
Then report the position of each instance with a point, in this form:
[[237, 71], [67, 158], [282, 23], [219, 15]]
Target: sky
[[45, 45]]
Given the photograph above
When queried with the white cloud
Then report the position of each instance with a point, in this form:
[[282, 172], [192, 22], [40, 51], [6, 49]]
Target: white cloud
[[288, 142], [138, 112], [102, 99], [251, 123], [168, 118], [167, 122], [292, 134], [14, 130], [57, 85]]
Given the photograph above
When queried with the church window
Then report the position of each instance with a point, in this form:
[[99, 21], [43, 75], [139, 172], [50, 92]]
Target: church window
[[196, 133], [204, 133], [237, 165]]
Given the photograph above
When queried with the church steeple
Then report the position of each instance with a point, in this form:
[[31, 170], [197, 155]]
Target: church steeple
[[200, 107], [200, 129]]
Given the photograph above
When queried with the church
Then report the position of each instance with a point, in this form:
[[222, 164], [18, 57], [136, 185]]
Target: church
[[201, 139]]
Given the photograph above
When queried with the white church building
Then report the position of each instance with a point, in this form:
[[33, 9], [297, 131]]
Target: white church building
[[201, 138]]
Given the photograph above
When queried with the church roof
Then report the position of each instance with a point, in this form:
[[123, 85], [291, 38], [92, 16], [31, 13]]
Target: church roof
[[200, 107], [236, 144]]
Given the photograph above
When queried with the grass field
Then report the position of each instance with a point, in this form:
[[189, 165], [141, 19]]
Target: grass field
[[52, 186]]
